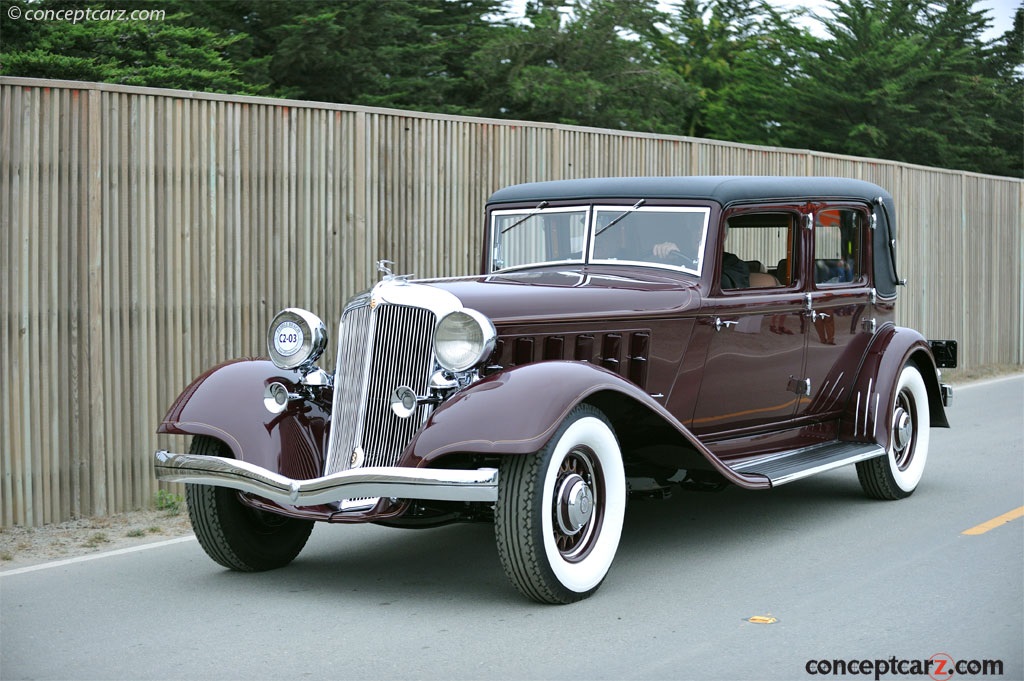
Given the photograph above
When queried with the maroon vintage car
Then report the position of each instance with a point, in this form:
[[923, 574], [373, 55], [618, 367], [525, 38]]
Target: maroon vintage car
[[626, 335]]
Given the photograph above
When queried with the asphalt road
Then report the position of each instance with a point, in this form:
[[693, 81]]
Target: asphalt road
[[846, 578]]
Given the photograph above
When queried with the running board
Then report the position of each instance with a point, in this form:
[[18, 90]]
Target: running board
[[783, 467]]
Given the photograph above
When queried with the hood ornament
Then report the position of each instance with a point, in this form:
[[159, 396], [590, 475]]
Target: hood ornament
[[384, 267]]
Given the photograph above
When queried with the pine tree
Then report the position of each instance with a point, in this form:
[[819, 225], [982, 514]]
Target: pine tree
[[583, 64], [160, 52], [903, 80], [738, 56]]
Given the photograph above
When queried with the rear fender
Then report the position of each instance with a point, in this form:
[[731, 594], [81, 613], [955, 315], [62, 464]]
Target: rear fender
[[866, 416], [226, 403], [516, 412]]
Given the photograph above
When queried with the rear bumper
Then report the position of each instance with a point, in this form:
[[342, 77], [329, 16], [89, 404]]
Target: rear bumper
[[403, 483]]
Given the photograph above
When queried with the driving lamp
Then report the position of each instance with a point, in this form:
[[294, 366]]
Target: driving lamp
[[296, 340], [275, 397], [463, 339]]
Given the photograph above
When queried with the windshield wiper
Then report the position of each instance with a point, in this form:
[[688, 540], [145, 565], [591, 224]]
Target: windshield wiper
[[540, 206], [621, 215]]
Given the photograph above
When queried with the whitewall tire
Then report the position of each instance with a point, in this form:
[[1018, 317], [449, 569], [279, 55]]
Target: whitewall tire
[[560, 511], [897, 474]]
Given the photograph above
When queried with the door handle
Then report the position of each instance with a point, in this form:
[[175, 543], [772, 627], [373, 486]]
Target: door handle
[[815, 315], [719, 324]]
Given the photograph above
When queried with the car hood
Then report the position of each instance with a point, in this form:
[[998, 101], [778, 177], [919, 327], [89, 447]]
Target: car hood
[[577, 293]]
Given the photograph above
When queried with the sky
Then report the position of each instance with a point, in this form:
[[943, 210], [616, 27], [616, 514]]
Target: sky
[[1000, 12]]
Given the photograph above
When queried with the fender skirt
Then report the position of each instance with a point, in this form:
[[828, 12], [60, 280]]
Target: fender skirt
[[517, 412]]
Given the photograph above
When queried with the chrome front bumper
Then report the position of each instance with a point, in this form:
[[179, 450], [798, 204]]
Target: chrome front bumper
[[392, 481]]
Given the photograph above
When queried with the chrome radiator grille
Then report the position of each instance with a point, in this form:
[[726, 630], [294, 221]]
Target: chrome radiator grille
[[378, 350]]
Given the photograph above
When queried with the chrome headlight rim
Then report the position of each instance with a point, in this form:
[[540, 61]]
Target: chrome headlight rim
[[470, 328], [296, 339]]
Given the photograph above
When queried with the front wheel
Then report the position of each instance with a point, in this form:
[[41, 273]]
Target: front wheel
[[237, 536], [896, 475], [560, 511]]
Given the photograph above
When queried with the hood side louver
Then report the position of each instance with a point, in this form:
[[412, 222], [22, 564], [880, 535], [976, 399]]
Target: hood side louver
[[624, 352]]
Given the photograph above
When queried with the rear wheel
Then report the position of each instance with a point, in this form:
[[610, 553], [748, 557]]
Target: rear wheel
[[560, 511], [896, 475], [235, 535]]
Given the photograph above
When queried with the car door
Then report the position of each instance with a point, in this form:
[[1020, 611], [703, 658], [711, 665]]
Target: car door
[[753, 326], [838, 296]]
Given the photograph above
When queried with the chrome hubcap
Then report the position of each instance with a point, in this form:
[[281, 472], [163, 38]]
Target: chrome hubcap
[[902, 428], [575, 504]]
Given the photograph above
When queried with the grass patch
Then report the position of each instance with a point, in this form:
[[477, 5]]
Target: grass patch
[[169, 502], [96, 539]]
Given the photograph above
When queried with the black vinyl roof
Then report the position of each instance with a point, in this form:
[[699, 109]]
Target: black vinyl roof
[[725, 190]]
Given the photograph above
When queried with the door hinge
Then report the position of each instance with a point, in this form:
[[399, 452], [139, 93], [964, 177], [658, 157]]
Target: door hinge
[[809, 310]]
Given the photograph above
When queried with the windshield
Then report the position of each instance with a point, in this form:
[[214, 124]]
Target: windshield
[[654, 236], [538, 236]]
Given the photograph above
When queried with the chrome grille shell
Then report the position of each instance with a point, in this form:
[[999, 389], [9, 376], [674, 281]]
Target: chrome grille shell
[[385, 340]]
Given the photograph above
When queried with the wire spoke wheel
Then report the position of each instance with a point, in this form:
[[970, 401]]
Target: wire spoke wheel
[[576, 509]]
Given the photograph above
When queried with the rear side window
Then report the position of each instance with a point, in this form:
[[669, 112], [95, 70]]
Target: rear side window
[[839, 247]]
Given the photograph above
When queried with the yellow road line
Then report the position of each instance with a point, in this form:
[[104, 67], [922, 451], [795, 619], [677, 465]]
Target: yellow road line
[[996, 522]]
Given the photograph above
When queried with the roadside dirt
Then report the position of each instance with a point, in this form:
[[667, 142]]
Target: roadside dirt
[[24, 546]]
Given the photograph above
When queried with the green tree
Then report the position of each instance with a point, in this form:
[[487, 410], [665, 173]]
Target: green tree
[[1007, 69], [156, 52], [585, 64], [738, 56], [905, 80], [396, 53]]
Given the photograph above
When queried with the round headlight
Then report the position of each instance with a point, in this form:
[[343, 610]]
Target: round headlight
[[463, 339], [297, 338]]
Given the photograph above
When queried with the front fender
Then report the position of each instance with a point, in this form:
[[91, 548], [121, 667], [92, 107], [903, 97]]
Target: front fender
[[866, 416], [226, 403], [517, 411]]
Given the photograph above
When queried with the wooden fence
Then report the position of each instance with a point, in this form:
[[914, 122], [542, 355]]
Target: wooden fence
[[147, 234]]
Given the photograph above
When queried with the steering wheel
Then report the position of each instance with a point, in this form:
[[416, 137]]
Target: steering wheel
[[677, 257]]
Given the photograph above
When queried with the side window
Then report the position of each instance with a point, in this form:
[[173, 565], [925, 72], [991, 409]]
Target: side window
[[759, 250], [838, 246]]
